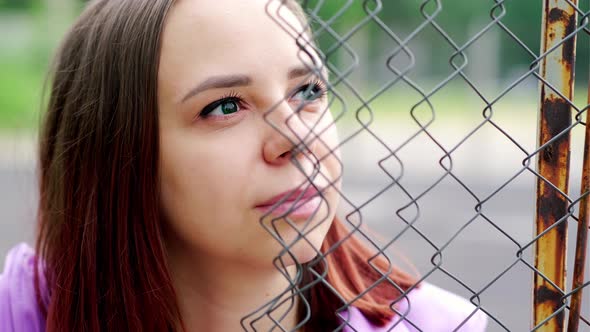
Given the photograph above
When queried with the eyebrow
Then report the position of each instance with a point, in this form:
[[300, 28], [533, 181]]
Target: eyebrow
[[218, 82], [230, 81], [300, 71]]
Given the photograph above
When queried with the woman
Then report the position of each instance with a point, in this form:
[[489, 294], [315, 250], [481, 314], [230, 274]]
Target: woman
[[168, 202]]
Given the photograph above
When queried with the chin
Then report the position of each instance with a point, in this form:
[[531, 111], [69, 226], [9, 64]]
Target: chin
[[306, 248], [304, 251]]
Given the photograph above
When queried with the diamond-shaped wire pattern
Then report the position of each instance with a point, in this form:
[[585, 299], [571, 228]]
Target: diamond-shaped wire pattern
[[452, 192]]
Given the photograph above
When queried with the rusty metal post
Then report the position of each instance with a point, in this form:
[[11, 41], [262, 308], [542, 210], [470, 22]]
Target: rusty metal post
[[557, 68], [582, 233]]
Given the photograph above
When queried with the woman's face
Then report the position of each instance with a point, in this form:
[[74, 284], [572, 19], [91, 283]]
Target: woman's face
[[220, 159]]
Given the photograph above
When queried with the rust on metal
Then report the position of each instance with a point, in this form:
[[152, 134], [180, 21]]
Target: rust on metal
[[559, 21], [546, 294], [582, 233]]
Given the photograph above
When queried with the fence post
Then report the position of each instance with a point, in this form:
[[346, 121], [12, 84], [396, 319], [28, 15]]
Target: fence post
[[582, 233], [557, 69]]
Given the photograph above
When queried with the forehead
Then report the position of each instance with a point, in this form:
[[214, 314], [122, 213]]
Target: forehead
[[208, 37]]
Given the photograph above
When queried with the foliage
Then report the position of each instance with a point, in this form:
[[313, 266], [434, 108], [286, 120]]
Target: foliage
[[459, 19], [17, 4], [22, 75]]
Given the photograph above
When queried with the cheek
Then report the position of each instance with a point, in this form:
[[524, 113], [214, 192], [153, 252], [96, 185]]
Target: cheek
[[328, 148], [201, 182]]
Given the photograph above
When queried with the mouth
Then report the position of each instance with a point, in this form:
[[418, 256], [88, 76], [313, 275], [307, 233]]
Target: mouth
[[295, 203]]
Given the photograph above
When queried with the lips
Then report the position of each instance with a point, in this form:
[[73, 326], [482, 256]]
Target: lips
[[308, 203], [291, 196]]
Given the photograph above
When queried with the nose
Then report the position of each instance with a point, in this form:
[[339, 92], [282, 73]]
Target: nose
[[287, 136]]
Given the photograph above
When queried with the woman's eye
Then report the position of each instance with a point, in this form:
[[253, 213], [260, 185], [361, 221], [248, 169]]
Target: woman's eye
[[222, 107], [310, 92]]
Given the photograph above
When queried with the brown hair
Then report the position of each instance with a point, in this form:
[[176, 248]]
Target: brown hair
[[100, 237]]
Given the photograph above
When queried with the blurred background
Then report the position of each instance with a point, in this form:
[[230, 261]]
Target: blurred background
[[381, 119]]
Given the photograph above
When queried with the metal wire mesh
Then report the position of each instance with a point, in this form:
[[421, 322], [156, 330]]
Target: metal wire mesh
[[451, 191]]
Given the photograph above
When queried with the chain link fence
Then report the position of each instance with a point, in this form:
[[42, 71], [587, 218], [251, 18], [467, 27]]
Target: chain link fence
[[461, 177]]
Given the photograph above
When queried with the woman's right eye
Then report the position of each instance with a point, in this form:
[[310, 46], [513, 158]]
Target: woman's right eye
[[222, 107]]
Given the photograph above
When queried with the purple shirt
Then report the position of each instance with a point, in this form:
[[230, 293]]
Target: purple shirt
[[18, 302], [431, 308]]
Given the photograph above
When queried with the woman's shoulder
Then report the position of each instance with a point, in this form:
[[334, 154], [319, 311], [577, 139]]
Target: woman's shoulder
[[431, 308], [19, 310], [426, 308]]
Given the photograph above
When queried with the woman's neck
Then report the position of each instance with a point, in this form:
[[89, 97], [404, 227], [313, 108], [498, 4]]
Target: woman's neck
[[215, 296]]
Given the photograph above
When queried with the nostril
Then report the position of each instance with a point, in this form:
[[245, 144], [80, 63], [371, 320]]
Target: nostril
[[294, 152]]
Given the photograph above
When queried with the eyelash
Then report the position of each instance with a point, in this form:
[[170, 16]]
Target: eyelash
[[238, 99], [232, 96], [316, 83]]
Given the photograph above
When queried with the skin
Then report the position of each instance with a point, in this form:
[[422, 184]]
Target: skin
[[215, 170]]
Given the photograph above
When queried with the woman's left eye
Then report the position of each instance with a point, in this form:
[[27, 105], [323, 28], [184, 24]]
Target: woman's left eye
[[310, 92]]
